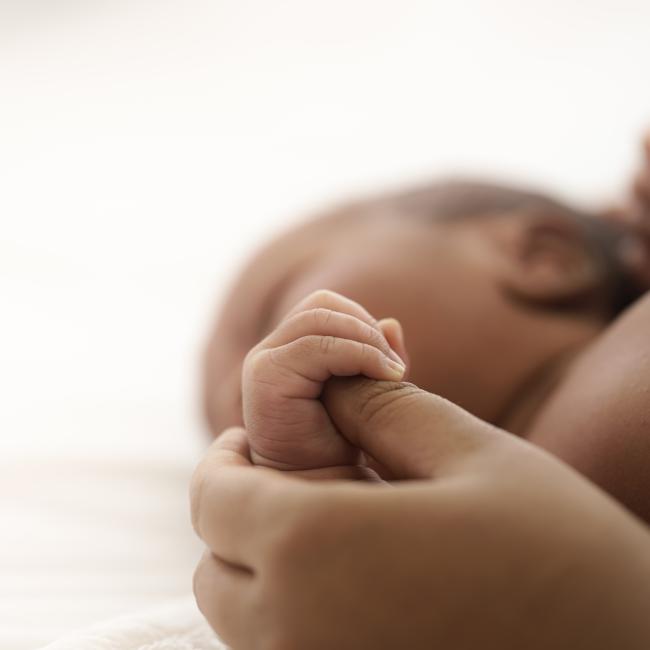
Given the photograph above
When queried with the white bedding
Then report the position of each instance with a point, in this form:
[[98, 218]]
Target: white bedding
[[89, 539], [175, 626]]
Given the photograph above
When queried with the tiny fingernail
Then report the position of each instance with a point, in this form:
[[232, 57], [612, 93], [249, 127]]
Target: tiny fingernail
[[395, 370], [395, 357]]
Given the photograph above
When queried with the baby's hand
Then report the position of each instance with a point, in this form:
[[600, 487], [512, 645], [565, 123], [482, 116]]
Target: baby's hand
[[325, 335]]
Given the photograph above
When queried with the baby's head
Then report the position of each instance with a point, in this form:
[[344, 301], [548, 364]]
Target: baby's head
[[496, 289]]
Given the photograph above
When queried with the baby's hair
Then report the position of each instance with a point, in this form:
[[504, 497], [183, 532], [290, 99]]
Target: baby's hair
[[462, 199]]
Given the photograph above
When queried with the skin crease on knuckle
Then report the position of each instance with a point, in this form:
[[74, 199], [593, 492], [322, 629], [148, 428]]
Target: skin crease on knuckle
[[357, 328], [321, 316], [327, 344], [264, 367], [332, 301], [380, 399], [375, 338]]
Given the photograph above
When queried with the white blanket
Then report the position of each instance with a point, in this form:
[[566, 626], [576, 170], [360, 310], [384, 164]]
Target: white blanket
[[176, 626], [90, 539]]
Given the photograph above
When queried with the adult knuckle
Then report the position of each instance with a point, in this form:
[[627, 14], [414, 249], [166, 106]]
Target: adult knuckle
[[385, 400]]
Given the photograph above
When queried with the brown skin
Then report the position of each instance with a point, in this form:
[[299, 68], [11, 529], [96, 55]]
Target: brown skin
[[448, 283], [534, 371], [492, 544], [598, 418], [490, 531], [283, 377]]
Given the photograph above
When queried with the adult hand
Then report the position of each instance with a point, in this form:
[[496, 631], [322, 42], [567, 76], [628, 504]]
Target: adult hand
[[495, 545]]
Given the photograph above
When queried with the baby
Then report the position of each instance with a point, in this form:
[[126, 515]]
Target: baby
[[504, 301]]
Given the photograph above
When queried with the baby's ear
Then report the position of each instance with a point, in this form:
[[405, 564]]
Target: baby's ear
[[394, 334], [550, 261]]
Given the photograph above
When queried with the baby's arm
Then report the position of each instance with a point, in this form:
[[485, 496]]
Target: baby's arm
[[325, 335], [598, 420]]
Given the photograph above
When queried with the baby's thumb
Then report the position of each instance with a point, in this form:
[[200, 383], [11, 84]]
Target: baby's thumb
[[414, 434]]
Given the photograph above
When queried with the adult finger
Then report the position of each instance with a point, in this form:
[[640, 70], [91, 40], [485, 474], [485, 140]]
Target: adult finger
[[233, 503], [340, 473], [230, 449], [224, 594], [414, 434]]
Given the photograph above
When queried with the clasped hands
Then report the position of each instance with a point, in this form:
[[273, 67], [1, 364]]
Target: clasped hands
[[464, 537]]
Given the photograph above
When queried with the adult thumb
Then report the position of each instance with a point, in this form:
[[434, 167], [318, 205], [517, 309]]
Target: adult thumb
[[412, 433]]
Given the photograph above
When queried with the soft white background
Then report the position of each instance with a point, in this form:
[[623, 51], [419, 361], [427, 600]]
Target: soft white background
[[146, 146]]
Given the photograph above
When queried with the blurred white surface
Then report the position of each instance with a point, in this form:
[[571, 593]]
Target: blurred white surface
[[86, 539], [145, 146]]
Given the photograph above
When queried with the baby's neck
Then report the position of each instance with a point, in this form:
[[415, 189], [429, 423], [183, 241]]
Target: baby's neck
[[529, 400]]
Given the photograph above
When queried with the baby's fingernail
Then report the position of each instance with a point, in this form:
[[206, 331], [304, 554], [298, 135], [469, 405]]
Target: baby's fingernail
[[393, 328], [395, 370], [395, 357]]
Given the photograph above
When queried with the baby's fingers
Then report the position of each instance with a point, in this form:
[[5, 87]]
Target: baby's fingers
[[324, 301], [334, 301], [326, 322], [316, 359]]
